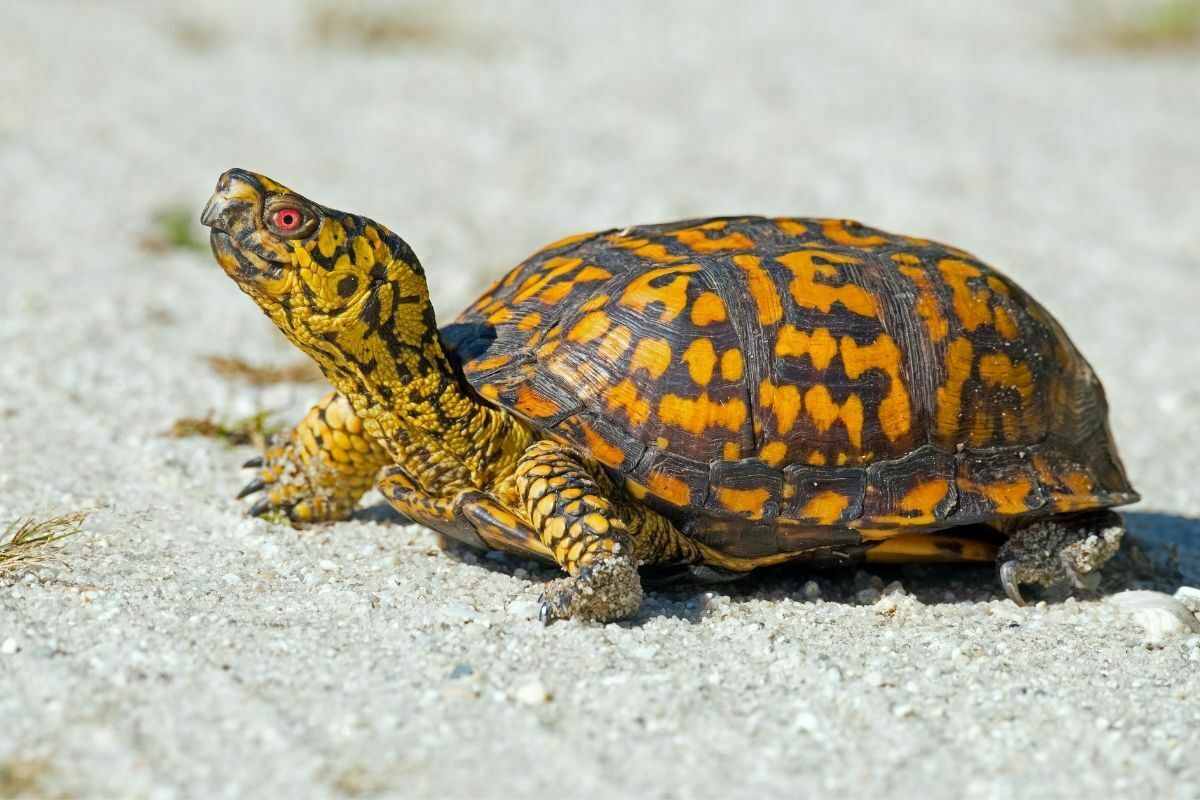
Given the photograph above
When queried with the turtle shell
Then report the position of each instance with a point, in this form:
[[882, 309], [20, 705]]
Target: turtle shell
[[761, 381]]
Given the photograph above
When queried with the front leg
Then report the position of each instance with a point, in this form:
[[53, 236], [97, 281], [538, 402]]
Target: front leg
[[319, 470], [578, 515]]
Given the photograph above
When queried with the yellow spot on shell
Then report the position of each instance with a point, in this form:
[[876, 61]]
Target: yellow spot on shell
[[601, 449], [652, 355], [762, 288], [928, 306], [553, 268], [784, 401], [918, 504], [744, 501], [895, 413], [579, 237], [669, 488], [970, 305], [534, 405], [615, 343], [490, 363], [695, 239], [959, 361], [730, 451], [791, 227], [1005, 325], [841, 232], [708, 309], [624, 396], [644, 290], [819, 345], [592, 326], [701, 359], [808, 293], [695, 415], [529, 321], [824, 412], [825, 508], [773, 453], [731, 365]]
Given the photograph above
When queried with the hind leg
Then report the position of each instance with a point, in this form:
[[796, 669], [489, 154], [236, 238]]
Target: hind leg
[[1060, 552]]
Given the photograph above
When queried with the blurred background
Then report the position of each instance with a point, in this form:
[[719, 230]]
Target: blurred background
[[1058, 141]]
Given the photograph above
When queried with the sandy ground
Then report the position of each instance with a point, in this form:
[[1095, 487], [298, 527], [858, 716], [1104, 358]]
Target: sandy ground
[[189, 651]]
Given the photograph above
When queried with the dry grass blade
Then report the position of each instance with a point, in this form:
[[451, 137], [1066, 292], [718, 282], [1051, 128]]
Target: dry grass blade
[[253, 430], [24, 543], [260, 375]]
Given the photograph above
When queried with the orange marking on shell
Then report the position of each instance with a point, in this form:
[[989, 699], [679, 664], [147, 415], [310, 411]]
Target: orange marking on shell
[[762, 288], [816, 459], [486, 364], [669, 488], [819, 345], [773, 453], [563, 242], [707, 309], [824, 412], [905, 258], [970, 305], [500, 316], [791, 227], [838, 230], [553, 268], [825, 508], [918, 505], [592, 326], [784, 401], [1008, 498], [732, 366], [959, 362], [673, 296], [895, 412], [730, 451], [615, 343], [661, 442], [593, 303], [601, 449], [808, 293], [489, 391], [695, 240], [535, 405], [701, 359], [928, 305], [999, 286], [652, 355], [644, 249], [695, 415], [556, 292], [1006, 326], [529, 321], [636, 490], [744, 501], [624, 396]]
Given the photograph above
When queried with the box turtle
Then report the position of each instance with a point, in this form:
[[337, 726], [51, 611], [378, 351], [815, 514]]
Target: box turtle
[[685, 400]]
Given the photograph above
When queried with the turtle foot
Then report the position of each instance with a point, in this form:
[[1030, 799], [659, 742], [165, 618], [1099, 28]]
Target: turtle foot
[[1059, 554], [605, 591]]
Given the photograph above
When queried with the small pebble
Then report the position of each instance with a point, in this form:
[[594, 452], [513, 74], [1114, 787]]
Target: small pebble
[[533, 694], [903, 711], [1190, 597], [873, 679], [8, 646], [811, 590], [806, 722], [327, 565]]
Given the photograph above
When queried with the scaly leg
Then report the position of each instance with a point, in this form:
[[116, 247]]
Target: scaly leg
[[598, 539], [319, 470]]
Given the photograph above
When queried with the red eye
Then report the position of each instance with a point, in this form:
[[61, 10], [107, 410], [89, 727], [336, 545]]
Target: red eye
[[288, 219]]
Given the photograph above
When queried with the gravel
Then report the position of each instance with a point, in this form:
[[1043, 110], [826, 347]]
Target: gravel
[[186, 650]]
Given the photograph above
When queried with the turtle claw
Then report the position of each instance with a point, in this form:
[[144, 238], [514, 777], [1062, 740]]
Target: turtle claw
[[256, 485], [254, 463], [1008, 579], [262, 506]]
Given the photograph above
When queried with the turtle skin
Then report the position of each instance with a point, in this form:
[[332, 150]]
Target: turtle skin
[[788, 388]]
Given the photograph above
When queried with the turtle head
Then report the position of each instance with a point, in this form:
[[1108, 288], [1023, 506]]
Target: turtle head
[[331, 281]]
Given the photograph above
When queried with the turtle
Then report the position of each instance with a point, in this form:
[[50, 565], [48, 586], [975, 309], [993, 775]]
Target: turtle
[[684, 401]]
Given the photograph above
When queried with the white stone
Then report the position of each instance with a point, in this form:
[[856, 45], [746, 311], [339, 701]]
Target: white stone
[[533, 694], [8, 646], [1159, 614]]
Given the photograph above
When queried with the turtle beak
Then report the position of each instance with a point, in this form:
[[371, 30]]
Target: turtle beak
[[237, 193]]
